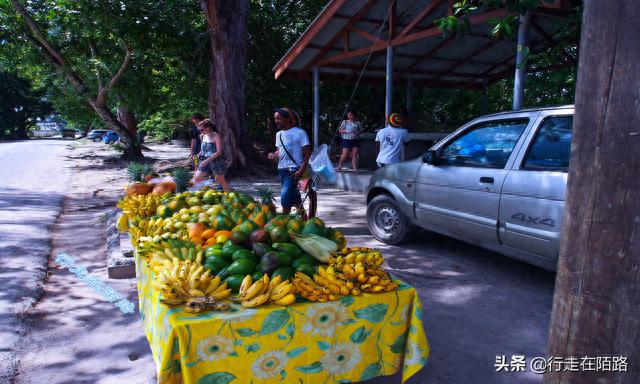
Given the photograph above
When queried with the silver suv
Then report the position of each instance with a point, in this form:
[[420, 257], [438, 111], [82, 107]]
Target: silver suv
[[497, 182]]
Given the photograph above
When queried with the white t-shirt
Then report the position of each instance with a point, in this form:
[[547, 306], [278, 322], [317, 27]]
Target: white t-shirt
[[294, 139], [391, 141], [352, 128]]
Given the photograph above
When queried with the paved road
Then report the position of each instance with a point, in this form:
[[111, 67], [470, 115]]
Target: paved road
[[33, 180], [477, 304]]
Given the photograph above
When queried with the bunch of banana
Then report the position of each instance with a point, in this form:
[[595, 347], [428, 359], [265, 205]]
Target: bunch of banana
[[368, 256], [311, 290], [369, 279], [139, 206], [266, 291], [180, 280], [169, 248]]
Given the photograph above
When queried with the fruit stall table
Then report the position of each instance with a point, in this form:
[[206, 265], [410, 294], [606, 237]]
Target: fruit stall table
[[349, 340]]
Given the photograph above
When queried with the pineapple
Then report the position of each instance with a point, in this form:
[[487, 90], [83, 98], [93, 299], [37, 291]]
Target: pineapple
[[181, 177], [135, 171], [138, 171], [266, 199]]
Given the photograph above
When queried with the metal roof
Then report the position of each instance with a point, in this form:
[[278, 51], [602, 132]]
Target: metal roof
[[347, 33]]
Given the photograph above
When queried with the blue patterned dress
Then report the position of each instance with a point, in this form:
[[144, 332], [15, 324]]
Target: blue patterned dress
[[216, 166]]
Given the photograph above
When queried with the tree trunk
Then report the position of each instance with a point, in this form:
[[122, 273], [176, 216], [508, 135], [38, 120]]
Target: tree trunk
[[596, 308], [227, 22]]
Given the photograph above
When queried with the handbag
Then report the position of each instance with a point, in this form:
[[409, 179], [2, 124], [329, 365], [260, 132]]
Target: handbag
[[305, 178]]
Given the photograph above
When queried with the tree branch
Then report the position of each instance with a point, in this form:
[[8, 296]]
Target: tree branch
[[94, 55], [56, 58], [123, 67]]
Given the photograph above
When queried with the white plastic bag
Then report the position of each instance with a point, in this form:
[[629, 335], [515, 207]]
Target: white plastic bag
[[321, 164]]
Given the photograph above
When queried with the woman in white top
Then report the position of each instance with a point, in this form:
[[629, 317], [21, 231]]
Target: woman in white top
[[350, 130]]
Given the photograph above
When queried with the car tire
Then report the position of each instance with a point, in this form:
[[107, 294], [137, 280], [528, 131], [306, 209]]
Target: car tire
[[386, 221]]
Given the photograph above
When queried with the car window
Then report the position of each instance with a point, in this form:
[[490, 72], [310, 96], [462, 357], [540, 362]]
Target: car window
[[551, 146], [485, 145]]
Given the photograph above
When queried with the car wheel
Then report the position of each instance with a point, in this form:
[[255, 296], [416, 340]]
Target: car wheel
[[386, 221]]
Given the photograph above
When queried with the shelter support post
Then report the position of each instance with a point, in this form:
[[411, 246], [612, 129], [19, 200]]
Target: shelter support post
[[409, 100], [388, 100], [316, 107], [521, 58]]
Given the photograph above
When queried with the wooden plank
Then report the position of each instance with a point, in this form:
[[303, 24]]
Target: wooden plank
[[596, 306], [328, 12]]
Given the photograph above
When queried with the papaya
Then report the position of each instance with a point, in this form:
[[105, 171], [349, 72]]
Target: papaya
[[216, 252], [222, 222], [291, 249], [229, 249], [248, 226], [269, 262], [279, 235], [303, 260], [285, 272], [317, 221], [243, 254], [239, 267], [257, 274], [284, 259], [313, 228], [259, 236], [261, 248], [234, 282], [239, 238], [295, 225], [307, 269], [215, 264]]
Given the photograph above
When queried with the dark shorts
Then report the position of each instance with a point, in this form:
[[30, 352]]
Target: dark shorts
[[350, 143]]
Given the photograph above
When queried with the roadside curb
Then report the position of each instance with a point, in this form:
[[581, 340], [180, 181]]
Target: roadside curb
[[120, 261]]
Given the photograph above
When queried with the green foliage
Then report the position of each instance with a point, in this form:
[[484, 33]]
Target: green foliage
[[20, 106]]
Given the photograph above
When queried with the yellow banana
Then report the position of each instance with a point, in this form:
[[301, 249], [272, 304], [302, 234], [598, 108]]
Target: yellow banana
[[213, 285], [246, 283], [286, 300], [256, 301], [195, 293], [222, 294], [274, 282], [280, 291], [253, 291], [221, 287]]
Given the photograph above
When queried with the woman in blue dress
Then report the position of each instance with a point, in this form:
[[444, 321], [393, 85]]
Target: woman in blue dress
[[212, 160]]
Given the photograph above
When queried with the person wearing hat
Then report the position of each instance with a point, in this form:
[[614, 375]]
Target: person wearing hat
[[390, 141], [293, 152]]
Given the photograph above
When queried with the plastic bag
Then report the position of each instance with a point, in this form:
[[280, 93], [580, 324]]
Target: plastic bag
[[321, 164]]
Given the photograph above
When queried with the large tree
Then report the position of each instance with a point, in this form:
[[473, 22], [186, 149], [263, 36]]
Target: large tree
[[596, 307], [227, 21]]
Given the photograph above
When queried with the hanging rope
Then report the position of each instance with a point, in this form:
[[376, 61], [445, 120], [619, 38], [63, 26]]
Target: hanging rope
[[355, 88]]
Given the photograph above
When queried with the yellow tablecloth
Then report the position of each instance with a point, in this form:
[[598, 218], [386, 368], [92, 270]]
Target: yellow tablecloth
[[350, 340]]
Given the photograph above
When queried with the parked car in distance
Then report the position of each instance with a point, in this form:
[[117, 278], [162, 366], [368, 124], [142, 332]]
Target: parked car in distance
[[110, 137], [96, 134], [497, 182]]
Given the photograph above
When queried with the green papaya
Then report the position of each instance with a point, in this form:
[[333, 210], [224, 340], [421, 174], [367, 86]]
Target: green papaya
[[239, 267], [291, 249], [269, 262], [243, 253], [229, 249], [234, 282], [307, 269], [303, 260], [284, 259], [215, 264], [261, 248], [285, 272]]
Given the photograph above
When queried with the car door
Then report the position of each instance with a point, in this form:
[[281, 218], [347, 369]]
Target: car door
[[460, 194], [533, 194]]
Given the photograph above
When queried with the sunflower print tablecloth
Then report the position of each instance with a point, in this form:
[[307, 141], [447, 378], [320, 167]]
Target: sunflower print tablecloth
[[349, 340]]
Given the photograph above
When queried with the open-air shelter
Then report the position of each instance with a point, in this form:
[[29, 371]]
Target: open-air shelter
[[396, 42]]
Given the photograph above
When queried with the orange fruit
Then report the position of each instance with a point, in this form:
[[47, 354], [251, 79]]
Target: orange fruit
[[208, 234], [196, 230], [222, 236]]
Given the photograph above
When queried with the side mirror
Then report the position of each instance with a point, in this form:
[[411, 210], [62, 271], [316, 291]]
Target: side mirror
[[431, 157]]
